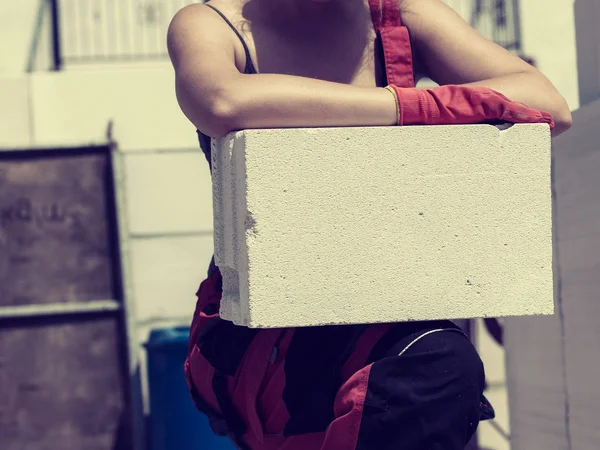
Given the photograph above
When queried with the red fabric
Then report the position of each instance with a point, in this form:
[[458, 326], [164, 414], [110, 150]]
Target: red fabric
[[256, 389], [398, 56], [395, 41], [348, 409], [358, 358], [446, 105], [389, 16], [454, 105], [207, 295], [197, 369]]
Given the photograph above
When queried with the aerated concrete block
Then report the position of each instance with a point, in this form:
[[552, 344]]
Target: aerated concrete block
[[370, 225]]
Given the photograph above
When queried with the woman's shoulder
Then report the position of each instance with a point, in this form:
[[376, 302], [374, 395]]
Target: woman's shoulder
[[195, 27], [200, 14]]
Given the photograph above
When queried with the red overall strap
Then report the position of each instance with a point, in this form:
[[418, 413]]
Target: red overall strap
[[395, 40], [445, 105]]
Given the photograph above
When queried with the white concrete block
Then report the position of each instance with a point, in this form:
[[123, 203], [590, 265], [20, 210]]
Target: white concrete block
[[166, 273], [168, 192], [368, 225]]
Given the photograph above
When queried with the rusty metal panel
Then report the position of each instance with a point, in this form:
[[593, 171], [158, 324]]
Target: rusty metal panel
[[65, 382], [55, 242], [62, 387]]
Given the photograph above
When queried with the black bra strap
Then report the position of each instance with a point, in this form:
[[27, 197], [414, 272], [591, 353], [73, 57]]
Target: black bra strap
[[249, 65]]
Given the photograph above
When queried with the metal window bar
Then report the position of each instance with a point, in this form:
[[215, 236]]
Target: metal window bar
[[105, 31], [499, 21], [102, 31]]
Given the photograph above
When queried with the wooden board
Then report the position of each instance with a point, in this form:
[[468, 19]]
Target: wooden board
[[56, 243]]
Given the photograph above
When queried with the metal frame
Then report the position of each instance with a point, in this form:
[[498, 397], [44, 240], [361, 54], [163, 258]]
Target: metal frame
[[58, 309], [57, 61], [123, 307], [513, 16], [130, 321]]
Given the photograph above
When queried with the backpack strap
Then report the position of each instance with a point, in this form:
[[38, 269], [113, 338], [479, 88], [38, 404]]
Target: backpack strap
[[395, 40]]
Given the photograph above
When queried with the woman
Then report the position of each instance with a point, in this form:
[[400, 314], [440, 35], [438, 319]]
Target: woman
[[244, 64]]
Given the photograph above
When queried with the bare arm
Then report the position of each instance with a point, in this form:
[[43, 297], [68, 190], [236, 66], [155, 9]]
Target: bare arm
[[217, 98], [454, 53]]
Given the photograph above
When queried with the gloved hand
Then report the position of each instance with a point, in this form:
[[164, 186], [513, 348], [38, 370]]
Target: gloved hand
[[459, 105]]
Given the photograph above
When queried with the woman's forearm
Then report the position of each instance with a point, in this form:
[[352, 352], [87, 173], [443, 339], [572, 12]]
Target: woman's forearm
[[285, 101]]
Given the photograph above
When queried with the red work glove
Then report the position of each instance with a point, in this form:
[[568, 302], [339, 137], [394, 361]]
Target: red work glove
[[459, 105]]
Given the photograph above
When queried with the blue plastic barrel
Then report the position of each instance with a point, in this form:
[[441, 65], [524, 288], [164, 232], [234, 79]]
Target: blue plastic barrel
[[174, 422]]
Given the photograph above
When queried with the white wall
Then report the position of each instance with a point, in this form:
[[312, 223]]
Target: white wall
[[549, 37], [15, 112], [77, 106], [17, 24]]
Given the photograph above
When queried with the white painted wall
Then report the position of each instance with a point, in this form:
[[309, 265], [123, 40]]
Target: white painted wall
[[17, 24], [78, 105], [15, 112], [549, 37]]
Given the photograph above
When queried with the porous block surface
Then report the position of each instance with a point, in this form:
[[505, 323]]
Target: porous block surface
[[383, 224]]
